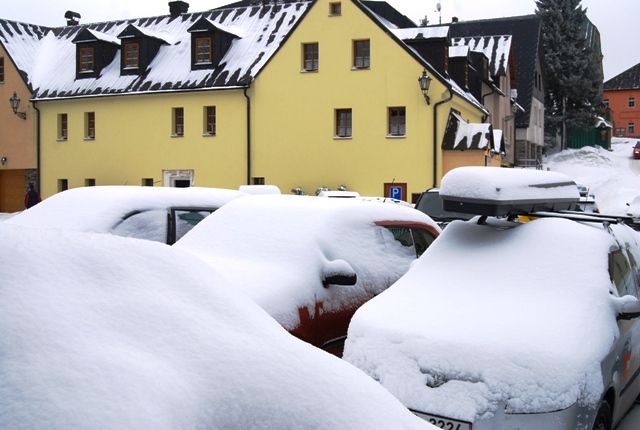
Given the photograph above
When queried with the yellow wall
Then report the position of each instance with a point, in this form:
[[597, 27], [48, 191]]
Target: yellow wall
[[133, 140], [294, 110]]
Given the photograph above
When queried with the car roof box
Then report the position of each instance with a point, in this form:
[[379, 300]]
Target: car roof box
[[496, 191]]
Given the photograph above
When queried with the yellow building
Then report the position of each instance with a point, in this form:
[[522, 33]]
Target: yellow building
[[299, 95]]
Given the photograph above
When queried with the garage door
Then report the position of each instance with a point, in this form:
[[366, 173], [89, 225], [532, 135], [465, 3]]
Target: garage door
[[12, 190]]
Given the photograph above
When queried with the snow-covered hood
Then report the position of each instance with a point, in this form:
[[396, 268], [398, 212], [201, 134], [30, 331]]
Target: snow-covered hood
[[488, 317]]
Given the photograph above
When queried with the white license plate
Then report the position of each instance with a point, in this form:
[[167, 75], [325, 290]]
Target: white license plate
[[443, 422]]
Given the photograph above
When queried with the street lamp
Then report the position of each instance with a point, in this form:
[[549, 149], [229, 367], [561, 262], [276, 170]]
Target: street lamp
[[425, 81], [15, 104]]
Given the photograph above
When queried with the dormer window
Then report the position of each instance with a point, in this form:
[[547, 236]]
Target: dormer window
[[131, 54], [203, 50], [87, 60], [139, 47], [94, 51], [209, 42]]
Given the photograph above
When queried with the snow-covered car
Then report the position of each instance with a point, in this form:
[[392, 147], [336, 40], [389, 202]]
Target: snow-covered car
[[106, 332], [430, 203], [310, 262], [162, 214], [511, 325]]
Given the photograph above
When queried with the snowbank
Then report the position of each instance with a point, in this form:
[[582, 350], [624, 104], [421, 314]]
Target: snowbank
[[464, 332], [103, 332]]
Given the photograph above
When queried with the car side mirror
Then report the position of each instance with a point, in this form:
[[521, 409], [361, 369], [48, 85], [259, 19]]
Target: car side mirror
[[629, 309], [338, 272]]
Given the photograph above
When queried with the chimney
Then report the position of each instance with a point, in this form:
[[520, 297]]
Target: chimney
[[454, 19], [73, 18], [177, 8]]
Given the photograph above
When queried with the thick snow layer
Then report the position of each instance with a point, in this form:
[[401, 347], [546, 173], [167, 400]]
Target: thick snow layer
[[278, 249], [102, 332], [496, 183], [612, 176], [100, 209], [439, 32], [465, 321]]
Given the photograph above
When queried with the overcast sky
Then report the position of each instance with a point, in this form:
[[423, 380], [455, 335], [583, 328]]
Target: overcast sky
[[616, 19]]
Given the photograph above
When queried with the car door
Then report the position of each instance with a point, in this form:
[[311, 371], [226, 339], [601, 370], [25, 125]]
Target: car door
[[406, 240]]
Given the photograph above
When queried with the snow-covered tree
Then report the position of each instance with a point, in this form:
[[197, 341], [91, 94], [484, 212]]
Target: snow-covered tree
[[573, 80]]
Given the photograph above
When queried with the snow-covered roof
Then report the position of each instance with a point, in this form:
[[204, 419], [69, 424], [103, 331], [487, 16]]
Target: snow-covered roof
[[493, 337], [277, 248], [602, 123], [47, 57], [104, 332], [496, 49], [458, 51], [440, 32], [461, 134]]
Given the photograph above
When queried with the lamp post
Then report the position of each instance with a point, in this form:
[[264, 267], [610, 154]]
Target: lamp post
[[15, 104], [425, 81]]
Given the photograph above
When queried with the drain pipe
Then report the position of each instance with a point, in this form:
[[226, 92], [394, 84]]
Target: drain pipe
[[38, 166], [435, 135], [248, 134]]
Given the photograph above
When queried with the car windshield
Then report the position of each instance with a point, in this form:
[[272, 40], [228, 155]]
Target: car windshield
[[637, 145], [431, 204]]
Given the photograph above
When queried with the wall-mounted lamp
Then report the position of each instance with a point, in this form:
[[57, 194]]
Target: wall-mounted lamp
[[15, 104], [3, 160], [425, 82]]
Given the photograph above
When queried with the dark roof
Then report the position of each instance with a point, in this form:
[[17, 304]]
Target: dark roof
[[461, 135], [627, 80], [46, 57], [388, 12], [526, 45]]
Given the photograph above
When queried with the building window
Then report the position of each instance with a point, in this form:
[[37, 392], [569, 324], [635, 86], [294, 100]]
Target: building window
[[63, 133], [258, 180], [632, 102], [131, 55], [86, 60], [177, 128], [335, 9], [63, 184], [631, 128], [343, 123], [209, 121], [203, 54], [147, 182], [1, 70], [89, 125], [361, 58], [310, 57], [89, 182], [397, 121]]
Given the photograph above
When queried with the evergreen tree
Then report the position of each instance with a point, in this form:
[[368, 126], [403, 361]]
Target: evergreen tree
[[573, 80]]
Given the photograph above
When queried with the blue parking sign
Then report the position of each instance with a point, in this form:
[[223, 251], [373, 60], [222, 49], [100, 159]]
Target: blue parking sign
[[395, 192]]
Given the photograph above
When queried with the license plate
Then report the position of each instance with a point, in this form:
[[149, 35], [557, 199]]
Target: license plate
[[443, 422]]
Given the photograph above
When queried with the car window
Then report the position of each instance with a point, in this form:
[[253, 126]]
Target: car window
[[415, 239], [621, 273], [431, 204], [149, 225], [187, 219]]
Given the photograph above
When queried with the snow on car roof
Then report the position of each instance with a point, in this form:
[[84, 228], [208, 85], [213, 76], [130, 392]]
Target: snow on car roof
[[98, 209], [277, 248], [467, 317], [103, 332]]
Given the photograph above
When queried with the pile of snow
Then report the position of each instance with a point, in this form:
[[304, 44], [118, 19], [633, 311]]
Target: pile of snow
[[278, 249], [464, 332], [103, 332], [100, 209], [612, 176]]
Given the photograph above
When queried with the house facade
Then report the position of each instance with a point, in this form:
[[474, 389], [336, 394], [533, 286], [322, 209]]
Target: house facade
[[622, 96], [18, 151], [301, 95], [526, 44]]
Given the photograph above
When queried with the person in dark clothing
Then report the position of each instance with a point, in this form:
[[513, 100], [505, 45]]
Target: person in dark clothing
[[32, 197]]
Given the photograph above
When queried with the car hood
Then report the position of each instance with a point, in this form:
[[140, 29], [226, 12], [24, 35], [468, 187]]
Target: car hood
[[521, 316]]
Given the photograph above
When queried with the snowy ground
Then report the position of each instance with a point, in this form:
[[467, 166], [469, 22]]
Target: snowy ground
[[614, 178]]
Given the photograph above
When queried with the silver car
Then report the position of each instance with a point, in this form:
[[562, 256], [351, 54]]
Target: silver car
[[507, 321]]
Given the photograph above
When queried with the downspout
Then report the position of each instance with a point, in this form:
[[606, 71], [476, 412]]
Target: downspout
[[38, 166], [248, 134], [435, 135]]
